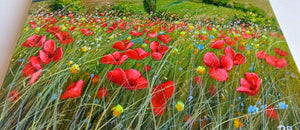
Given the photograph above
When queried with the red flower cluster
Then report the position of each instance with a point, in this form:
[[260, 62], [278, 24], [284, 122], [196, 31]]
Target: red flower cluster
[[272, 60]]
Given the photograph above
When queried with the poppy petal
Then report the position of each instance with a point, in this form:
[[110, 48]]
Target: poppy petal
[[229, 52], [239, 59], [261, 55], [34, 77], [58, 54], [108, 59], [118, 76], [226, 62], [44, 56], [49, 46], [280, 52], [28, 70], [35, 62], [218, 74], [211, 60], [154, 46], [163, 49], [217, 44], [156, 55]]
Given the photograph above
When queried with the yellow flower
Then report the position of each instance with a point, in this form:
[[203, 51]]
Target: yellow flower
[[144, 45], [182, 33], [196, 51], [37, 29], [236, 122], [70, 63], [117, 110], [179, 106], [175, 51], [128, 38], [74, 68], [200, 69], [248, 52], [84, 49]]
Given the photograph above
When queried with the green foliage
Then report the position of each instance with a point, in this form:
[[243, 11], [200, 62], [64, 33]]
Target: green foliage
[[125, 8], [216, 2], [67, 5], [149, 6], [167, 15], [253, 18], [252, 8]]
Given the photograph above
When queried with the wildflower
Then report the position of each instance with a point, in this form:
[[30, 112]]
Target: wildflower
[[158, 50], [33, 69], [144, 45], [179, 106], [102, 92], [34, 41], [200, 69], [95, 79], [229, 41], [86, 32], [237, 58], [160, 94], [164, 38], [116, 58], [123, 45], [50, 53], [218, 69], [137, 53], [198, 80], [280, 52], [152, 34], [252, 109], [13, 96], [271, 113], [130, 79], [283, 106], [261, 55], [276, 62], [182, 33], [73, 90], [237, 123], [217, 44], [74, 68], [70, 63], [117, 110], [85, 49], [64, 37], [147, 68], [250, 85]]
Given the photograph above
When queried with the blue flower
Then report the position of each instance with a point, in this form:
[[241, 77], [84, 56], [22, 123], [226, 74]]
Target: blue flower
[[253, 109], [92, 75], [259, 102], [53, 97], [211, 37], [242, 104], [248, 47], [282, 105], [96, 101], [200, 47], [251, 69]]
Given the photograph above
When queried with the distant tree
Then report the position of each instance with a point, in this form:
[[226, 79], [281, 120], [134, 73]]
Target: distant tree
[[150, 6]]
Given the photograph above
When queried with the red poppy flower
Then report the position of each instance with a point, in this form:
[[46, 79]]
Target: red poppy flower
[[147, 41], [203, 37], [229, 41], [218, 69], [212, 90], [130, 79], [147, 68], [73, 90], [160, 94], [64, 37], [53, 29], [136, 33], [246, 36], [165, 38], [104, 24], [32, 69], [276, 62], [237, 58], [198, 80], [123, 45], [217, 44], [116, 58], [280, 52], [50, 53], [158, 51], [271, 113], [34, 41], [13, 96], [86, 32], [261, 55], [152, 34], [242, 48], [137, 53], [102, 92], [250, 84]]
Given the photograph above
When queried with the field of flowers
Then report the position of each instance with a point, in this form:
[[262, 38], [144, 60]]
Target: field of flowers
[[107, 71]]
